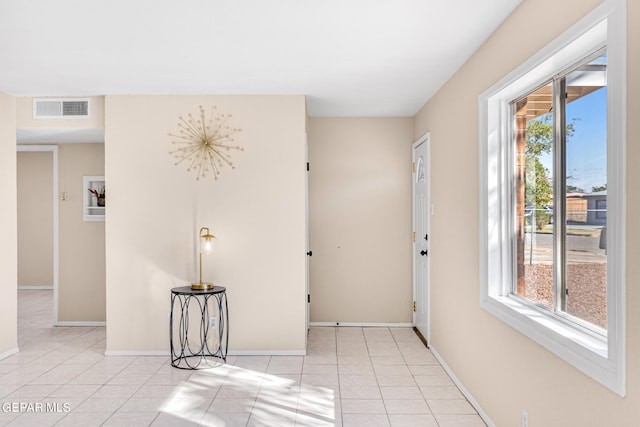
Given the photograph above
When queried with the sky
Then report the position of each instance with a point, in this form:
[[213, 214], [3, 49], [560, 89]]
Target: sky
[[587, 148]]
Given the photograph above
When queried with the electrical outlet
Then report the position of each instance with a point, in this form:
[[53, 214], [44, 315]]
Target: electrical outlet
[[525, 418], [212, 322], [64, 196]]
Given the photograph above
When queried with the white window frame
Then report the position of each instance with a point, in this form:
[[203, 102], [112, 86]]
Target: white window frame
[[600, 357]]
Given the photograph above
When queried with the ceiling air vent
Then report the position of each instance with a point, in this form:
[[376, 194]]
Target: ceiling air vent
[[50, 108]]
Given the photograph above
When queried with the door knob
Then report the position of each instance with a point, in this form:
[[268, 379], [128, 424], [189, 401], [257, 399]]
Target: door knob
[[423, 253]]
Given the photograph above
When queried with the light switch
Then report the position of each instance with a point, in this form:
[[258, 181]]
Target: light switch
[[64, 196]]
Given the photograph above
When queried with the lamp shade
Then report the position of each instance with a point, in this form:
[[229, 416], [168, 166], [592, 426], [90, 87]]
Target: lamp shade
[[207, 241], [207, 244]]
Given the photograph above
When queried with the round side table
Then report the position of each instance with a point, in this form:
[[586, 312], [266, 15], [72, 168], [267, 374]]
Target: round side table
[[207, 341]]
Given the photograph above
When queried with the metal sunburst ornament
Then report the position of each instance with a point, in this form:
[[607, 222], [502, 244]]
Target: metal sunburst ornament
[[204, 144]]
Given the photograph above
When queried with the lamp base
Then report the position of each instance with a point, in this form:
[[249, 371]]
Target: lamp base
[[204, 286]]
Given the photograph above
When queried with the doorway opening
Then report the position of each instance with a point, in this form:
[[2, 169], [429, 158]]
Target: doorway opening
[[38, 232]]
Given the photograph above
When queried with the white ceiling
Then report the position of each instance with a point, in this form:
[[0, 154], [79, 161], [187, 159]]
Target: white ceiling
[[350, 57]]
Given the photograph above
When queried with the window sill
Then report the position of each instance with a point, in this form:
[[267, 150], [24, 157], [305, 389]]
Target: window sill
[[547, 324], [585, 350]]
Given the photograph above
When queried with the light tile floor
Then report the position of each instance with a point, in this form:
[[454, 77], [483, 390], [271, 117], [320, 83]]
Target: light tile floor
[[350, 377]]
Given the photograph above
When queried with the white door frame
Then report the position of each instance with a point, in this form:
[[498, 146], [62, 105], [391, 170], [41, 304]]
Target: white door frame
[[306, 214], [424, 139], [54, 149]]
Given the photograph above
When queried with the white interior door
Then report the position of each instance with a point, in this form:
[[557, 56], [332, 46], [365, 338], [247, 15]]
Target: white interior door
[[421, 212]]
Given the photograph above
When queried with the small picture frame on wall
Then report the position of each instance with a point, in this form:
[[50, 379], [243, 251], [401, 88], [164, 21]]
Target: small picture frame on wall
[[94, 198]]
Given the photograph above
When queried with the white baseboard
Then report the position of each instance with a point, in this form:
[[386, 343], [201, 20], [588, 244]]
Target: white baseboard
[[363, 324], [80, 323], [35, 288], [9, 353], [463, 389], [167, 353], [267, 353]]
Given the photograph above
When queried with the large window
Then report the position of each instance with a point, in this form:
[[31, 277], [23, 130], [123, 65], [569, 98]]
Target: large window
[[560, 141], [552, 185]]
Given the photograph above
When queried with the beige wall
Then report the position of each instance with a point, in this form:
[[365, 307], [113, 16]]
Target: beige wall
[[257, 211], [81, 290], [8, 226], [25, 118], [35, 218], [505, 371], [360, 219]]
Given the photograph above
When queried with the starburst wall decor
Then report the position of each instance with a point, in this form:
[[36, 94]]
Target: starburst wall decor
[[204, 144]]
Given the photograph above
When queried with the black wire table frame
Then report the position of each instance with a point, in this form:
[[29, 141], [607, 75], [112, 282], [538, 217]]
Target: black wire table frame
[[206, 349]]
